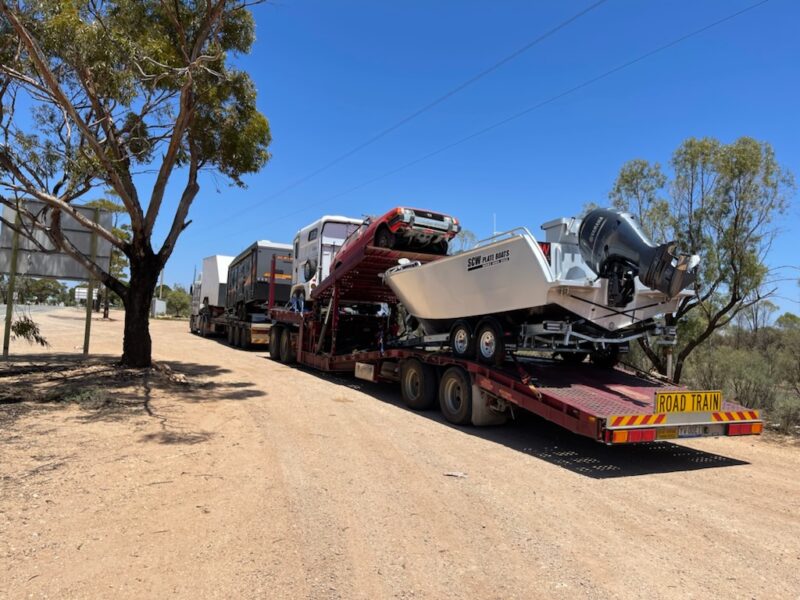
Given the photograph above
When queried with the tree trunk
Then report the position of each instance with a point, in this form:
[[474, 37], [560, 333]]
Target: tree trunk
[[106, 302], [136, 344]]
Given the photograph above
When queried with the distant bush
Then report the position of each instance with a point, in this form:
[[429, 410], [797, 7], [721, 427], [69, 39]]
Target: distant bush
[[786, 413], [743, 375]]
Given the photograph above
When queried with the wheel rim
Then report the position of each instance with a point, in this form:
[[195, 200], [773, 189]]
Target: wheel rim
[[412, 384], [488, 344], [453, 395], [461, 340]]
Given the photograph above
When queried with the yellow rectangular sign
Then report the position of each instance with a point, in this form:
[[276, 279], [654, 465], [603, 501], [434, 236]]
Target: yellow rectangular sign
[[687, 401]]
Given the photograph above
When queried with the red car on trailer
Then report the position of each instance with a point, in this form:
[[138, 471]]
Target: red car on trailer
[[413, 229]]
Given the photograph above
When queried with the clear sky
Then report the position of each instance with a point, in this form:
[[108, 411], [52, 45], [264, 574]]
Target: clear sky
[[331, 75]]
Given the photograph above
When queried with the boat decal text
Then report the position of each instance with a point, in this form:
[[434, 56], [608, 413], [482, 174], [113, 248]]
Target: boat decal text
[[488, 260]]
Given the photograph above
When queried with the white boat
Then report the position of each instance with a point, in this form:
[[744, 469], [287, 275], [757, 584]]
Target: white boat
[[547, 289]]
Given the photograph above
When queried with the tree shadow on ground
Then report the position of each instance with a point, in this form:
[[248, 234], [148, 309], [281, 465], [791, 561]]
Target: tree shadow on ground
[[531, 435], [106, 392]]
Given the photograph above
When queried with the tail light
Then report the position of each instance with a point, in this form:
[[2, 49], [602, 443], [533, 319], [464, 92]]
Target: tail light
[[630, 436], [745, 428]]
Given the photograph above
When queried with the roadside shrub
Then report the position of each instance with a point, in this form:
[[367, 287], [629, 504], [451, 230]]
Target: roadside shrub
[[786, 413], [743, 375]]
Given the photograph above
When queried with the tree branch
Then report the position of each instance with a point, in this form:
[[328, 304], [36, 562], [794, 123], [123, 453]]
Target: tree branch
[[40, 62]]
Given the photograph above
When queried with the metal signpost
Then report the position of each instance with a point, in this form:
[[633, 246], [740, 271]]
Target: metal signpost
[[12, 280]]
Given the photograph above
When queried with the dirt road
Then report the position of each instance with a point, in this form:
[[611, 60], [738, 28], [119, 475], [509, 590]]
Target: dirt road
[[273, 482]]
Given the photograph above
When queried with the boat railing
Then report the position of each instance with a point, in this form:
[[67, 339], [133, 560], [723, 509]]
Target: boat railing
[[501, 236], [408, 264]]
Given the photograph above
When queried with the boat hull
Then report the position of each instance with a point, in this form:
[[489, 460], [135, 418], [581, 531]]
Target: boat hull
[[513, 280]]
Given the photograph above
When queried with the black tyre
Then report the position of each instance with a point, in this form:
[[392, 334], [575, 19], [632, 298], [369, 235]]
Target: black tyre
[[229, 334], [417, 384], [489, 342], [455, 396], [462, 341], [237, 336], [244, 340], [606, 358], [275, 342], [287, 357], [385, 238]]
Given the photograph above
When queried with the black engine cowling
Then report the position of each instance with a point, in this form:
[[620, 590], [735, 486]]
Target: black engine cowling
[[616, 248]]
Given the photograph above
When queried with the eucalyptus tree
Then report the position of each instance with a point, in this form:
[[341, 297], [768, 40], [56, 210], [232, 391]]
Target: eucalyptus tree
[[722, 202], [128, 96]]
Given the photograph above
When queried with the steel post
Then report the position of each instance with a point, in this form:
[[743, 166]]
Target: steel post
[[90, 290], [12, 281]]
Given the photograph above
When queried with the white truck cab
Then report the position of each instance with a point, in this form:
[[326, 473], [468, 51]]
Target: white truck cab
[[314, 247]]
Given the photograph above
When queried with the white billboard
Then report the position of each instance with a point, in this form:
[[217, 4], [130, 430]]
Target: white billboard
[[52, 262]]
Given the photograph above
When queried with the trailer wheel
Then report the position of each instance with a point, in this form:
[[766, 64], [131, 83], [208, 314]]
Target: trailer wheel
[[455, 396], [417, 384], [245, 339], [489, 340], [287, 357], [229, 334], [275, 342], [462, 342]]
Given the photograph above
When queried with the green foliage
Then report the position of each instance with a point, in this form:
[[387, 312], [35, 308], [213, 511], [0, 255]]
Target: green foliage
[[637, 189], [786, 413], [720, 203], [179, 301], [758, 369], [788, 321]]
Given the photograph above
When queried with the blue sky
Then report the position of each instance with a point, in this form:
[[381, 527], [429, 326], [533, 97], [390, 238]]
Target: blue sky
[[330, 75]]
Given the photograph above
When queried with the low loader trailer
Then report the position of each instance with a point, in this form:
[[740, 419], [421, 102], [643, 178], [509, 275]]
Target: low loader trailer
[[351, 330]]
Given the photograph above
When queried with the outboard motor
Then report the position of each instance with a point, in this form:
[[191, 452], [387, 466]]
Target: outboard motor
[[616, 248]]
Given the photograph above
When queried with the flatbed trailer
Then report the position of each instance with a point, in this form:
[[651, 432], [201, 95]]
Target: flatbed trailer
[[609, 405]]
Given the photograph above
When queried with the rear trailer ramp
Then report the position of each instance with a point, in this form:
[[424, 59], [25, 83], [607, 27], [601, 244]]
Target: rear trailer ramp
[[615, 406]]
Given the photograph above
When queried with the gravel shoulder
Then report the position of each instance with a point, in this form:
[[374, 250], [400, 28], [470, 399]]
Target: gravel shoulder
[[258, 480]]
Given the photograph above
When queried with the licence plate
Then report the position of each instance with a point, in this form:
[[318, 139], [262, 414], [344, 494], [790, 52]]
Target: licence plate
[[425, 222], [684, 431], [688, 401]]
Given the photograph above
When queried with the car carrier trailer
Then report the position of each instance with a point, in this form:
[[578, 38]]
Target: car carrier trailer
[[348, 331]]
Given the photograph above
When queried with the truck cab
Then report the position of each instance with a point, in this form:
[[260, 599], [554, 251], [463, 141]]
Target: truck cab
[[314, 247]]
